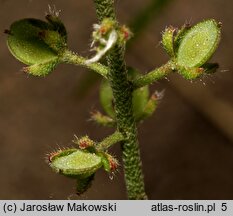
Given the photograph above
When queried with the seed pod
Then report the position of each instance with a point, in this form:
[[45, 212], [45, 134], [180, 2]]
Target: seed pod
[[106, 98], [139, 100], [151, 106], [140, 95], [199, 44], [37, 44], [75, 163]]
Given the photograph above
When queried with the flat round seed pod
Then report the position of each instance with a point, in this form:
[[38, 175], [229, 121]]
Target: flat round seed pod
[[106, 98], [199, 44], [25, 42], [140, 96], [76, 163]]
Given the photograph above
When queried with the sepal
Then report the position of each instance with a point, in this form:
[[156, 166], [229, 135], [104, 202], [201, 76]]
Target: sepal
[[168, 40]]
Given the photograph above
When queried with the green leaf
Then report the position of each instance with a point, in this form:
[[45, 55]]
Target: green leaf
[[198, 44], [76, 163]]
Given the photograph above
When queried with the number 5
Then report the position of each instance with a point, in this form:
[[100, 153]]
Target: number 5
[[224, 207]]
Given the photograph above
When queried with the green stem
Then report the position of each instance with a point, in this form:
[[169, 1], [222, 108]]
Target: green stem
[[122, 93], [109, 141], [72, 58], [105, 9], [154, 75]]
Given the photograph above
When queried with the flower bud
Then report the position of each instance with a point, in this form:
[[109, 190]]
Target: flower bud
[[84, 142], [125, 34]]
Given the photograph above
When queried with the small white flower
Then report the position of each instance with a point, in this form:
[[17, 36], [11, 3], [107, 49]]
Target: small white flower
[[108, 45]]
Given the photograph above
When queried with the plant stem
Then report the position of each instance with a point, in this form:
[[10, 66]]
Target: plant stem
[[72, 58], [154, 75], [105, 9], [109, 141], [122, 93]]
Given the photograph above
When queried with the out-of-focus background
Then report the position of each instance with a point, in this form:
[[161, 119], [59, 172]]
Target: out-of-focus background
[[186, 147]]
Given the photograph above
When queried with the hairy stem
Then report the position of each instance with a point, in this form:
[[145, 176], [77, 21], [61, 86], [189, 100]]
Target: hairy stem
[[109, 141], [122, 93], [105, 9], [154, 75], [72, 58]]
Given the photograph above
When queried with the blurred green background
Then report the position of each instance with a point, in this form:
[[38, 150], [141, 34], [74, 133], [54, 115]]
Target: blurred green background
[[186, 147]]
